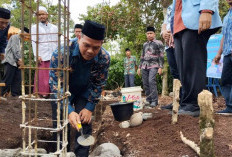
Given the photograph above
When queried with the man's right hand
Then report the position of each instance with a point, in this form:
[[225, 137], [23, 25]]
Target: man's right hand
[[217, 58], [40, 59], [166, 35], [74, 119]]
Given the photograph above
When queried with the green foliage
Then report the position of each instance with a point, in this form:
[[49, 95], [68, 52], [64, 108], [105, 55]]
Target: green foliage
[[223, 8], [127, 21], [116, 76]]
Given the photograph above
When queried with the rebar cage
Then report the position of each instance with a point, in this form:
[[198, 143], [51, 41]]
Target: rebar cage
[[31, 101]]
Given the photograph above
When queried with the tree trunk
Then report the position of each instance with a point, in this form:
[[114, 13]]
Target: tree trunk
[[165, 79], [165, 69], [205, 101]]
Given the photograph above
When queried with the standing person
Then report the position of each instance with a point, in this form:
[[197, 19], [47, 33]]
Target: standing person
[[129, 69], [170, 50], [47, 43], [151, 63], [77, 32], [226, 50], [90, 65], [4, 27], [12, 62], [193, 22]]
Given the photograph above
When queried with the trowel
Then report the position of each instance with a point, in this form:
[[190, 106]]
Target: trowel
[[84, 139]]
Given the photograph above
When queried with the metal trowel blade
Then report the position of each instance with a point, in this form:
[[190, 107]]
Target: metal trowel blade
[[86, 140]]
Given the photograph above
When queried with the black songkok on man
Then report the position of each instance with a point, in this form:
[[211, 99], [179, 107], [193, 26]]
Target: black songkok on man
[[94, 30], [150, 29], [78, 26], [26, 29], [4, 13]]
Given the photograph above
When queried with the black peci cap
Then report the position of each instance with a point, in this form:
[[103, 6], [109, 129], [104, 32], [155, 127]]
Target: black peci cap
[[4, 13], [127, 49], [26, 30], [93, 30], [150, 28], [78, 26]]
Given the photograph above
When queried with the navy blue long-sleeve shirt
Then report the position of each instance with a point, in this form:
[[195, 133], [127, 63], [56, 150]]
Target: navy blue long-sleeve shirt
[[3, 39]]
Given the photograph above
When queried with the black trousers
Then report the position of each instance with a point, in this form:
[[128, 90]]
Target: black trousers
[[191, 57], [172, 62], [12, 79]]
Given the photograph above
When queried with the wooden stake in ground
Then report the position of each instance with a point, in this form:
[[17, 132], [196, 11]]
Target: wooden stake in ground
[[176, 100], [205, 101]]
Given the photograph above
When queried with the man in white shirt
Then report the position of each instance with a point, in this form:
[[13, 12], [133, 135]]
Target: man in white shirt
[[47, 43]]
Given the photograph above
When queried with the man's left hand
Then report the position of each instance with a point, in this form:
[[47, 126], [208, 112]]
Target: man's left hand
[[160, 71], [205, 22], [85, 116]]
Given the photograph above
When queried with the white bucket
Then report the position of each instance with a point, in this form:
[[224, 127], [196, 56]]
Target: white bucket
[[132, 94]]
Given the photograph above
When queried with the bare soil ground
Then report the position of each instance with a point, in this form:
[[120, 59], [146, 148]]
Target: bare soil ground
[[156, 137]]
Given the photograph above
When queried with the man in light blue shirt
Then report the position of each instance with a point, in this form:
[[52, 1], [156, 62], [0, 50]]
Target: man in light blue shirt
[[226, 50], [193, 22]]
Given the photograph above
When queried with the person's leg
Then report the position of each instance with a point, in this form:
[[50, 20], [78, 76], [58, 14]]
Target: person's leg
[[172, 62], [145, 79], [16, 83], [2, 69], [9, 72], [132, 80], [226, 81], [126, 79], [179, 60], [193, 68], [82, 151], [43, 84], [153, 86]]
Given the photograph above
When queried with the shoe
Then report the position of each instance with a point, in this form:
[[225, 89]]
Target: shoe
[[154, 104], [146, 103], [167, 107], [189, 113], [226, 111]]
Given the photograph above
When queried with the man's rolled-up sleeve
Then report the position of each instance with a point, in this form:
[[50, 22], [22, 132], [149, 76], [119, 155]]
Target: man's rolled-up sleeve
[[208, 5]]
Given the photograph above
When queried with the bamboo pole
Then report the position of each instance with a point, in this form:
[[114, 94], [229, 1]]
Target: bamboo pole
[[176, 100], [205, 101]]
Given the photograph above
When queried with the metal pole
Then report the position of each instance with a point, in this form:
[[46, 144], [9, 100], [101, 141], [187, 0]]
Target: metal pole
[[58, 73], [22, 72], [36, 72]]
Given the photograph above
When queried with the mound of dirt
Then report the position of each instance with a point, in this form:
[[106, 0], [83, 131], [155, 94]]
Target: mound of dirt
[[156, 137]]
